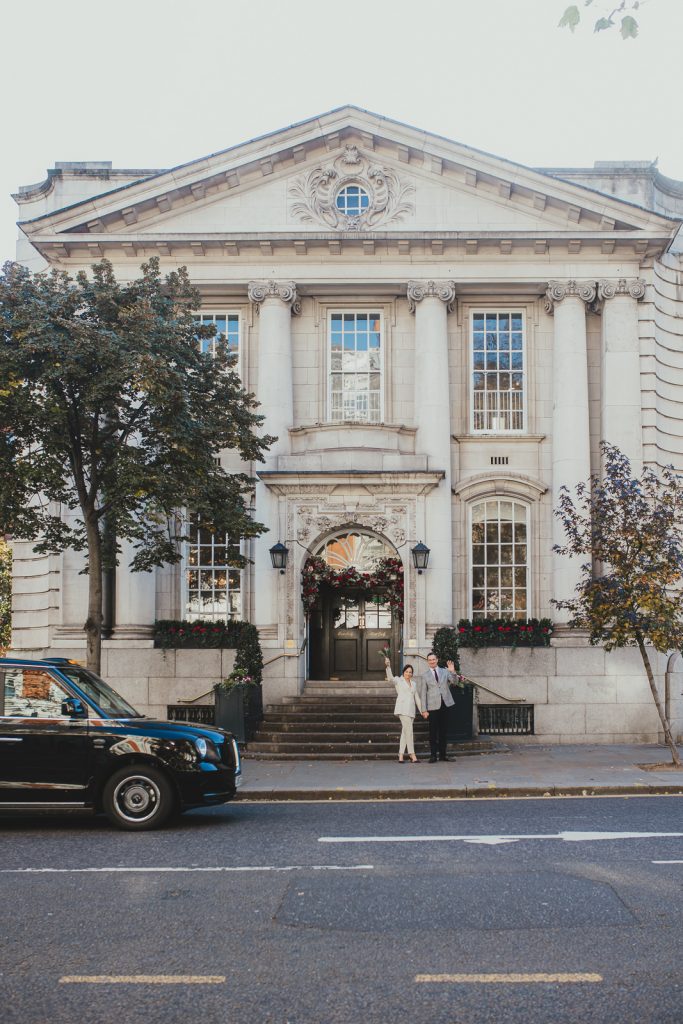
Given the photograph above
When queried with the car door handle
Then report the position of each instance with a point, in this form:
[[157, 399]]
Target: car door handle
[[11, 739]]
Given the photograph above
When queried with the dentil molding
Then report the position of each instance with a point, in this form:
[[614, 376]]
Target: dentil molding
[[315, 193]]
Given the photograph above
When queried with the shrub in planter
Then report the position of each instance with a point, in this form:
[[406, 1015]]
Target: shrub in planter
[[504, 633], [445, 646]]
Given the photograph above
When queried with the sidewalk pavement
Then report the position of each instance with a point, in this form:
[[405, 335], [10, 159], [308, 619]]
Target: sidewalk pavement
[[524, 770]]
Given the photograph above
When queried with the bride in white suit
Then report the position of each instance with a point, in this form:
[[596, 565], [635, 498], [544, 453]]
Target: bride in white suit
[[407, 699]]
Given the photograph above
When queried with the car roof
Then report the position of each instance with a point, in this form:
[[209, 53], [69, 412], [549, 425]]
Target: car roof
[[38, 661]]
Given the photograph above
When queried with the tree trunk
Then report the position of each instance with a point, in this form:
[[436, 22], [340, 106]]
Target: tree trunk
[[93, 625], [668, 736]]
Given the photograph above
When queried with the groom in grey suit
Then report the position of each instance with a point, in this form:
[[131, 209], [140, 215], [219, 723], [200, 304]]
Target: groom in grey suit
[[435, 695]]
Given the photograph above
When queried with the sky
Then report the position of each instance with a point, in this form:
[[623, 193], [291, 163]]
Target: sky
[[152, 84]]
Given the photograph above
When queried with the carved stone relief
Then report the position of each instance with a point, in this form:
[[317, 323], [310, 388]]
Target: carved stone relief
[[314, 194]]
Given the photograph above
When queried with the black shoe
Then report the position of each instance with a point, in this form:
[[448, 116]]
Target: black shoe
[[432, 759], [444, 758]]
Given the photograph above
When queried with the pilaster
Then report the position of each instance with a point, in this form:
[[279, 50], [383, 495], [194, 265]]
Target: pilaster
[[621, 411]]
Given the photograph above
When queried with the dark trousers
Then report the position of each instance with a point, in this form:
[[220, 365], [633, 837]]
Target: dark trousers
[[438, 727]]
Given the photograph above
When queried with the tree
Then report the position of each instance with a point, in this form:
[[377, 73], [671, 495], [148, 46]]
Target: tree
[[5, 595], [631, 530], [628, 24], [109, 407]]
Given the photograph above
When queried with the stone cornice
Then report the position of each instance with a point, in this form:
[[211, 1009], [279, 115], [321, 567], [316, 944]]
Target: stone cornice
[[322, 482], [510, 485], [262, 247]]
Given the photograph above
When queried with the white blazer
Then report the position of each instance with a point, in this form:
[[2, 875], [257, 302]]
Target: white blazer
[[407, 697]]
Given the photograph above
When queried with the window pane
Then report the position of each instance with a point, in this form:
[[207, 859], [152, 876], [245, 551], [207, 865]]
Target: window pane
[[361, 353], [499, 567], [214, 591], [227, 327], [498, 349]]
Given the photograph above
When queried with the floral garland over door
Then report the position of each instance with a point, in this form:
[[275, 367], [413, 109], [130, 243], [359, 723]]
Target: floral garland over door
[[386, 575]]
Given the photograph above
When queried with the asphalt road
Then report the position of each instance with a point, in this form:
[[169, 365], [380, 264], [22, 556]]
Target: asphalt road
[[561, 911]]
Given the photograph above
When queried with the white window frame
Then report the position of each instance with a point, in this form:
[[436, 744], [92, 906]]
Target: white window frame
[[356, 310], [240, 333], [470, 559], [185, 568], [498, 311]]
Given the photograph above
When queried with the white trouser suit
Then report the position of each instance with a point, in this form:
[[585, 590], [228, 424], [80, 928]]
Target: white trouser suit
[[407, 699]]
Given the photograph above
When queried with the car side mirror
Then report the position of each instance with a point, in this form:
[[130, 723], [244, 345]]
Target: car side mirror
[[73, 708]]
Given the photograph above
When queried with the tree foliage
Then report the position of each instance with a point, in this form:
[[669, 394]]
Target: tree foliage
[[110, 410], [630, 531], [5, 595], [621, 14]]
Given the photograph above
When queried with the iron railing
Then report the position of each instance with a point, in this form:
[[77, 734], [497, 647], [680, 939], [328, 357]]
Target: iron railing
[[506, 719]]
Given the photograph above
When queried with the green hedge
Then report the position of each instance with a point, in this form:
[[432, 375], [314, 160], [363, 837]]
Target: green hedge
[[240, 636]]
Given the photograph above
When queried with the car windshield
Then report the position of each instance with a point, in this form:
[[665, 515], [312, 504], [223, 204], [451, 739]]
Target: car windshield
[[111, 702]]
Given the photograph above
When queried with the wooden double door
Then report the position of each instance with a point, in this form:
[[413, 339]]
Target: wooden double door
[[348, 629]]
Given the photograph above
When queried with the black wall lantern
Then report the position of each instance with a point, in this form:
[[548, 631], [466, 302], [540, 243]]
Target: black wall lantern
[[278, 556], [420, 555]]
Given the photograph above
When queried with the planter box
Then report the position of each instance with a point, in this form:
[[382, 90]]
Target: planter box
[[239, 710]]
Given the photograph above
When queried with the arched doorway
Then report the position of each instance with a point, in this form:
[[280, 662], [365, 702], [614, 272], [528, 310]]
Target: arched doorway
[[355, 612]]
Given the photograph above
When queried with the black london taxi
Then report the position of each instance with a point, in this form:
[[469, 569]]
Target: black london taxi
[[68, 740]]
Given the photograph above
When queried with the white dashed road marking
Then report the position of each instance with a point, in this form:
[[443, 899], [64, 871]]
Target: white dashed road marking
[[142, 979], [162, 871], [507, 979], [495, 840]]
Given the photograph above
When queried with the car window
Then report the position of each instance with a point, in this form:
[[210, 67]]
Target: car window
[[32, 693]]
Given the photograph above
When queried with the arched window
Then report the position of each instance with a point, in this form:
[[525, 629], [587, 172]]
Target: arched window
[[499, 559], [360, 550]]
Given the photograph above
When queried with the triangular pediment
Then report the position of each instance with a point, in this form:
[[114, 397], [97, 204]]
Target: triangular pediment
[[287, 184]]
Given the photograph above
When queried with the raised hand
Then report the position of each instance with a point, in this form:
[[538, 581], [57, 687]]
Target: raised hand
[[450, 666]]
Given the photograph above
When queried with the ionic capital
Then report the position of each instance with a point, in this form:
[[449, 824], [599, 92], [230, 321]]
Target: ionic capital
[[559, 290], [419, 290], [259, 291], [635, 288]]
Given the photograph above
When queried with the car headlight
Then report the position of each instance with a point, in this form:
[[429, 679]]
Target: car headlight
[[202, 746], [236, 755]]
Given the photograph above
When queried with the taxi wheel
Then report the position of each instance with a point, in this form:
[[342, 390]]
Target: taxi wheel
[[138, 797]]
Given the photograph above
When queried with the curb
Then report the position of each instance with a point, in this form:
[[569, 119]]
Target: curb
[[461, 793]]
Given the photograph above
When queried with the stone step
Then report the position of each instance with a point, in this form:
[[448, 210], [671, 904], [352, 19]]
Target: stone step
[[365, 752], [338, 725]]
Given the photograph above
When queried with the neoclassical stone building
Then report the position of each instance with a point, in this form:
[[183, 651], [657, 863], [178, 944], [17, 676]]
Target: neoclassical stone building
[[439, 338]]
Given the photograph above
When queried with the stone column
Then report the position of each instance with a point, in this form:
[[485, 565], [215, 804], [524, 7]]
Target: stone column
[[431, 301], [567, 300], [135, 598], [275, 302], [621, 416]]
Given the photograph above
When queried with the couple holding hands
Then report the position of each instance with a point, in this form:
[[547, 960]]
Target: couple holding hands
[[432, 697]]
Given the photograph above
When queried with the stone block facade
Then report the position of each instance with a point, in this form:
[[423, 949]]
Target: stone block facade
[[439, 340]]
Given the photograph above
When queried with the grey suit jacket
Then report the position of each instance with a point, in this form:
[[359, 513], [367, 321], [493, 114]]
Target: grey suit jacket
[[431, 692]]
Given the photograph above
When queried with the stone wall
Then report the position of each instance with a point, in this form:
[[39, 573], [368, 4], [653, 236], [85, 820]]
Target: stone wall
[[150, 679], [580, 694]]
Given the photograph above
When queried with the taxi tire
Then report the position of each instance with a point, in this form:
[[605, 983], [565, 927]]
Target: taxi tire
[[138, 797]]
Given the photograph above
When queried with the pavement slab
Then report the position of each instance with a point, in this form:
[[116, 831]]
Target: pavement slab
[[529, 770]]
